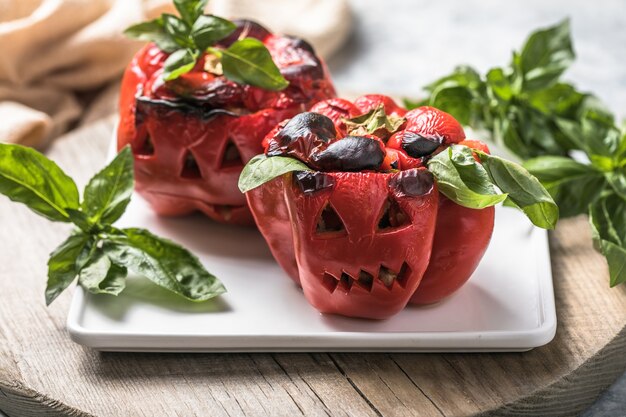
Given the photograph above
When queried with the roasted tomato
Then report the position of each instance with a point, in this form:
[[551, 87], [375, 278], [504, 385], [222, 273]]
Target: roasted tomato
[[366, 231], [191, 136]]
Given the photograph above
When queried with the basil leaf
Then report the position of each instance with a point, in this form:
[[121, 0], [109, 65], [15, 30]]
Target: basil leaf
[[457, 100], [179, 63], [81, 220], [523, 189], [500, 84], [262, 169], [28, 177], [462, 76], [376, 120], [209, 29], [462, 181], [153, 31], [607, 218], [190, 10], [178, 30], [247, 61], [108, 192], [163, 262], [64, 264], [573, 185], [561, 100], [546, 55], [617, 180], [101, 276]]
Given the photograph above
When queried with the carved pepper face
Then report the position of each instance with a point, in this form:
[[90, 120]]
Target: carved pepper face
[[362, 239], [192, 136], [355, 242]]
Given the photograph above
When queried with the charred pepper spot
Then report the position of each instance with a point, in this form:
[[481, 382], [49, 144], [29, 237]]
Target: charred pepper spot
[[309, 182], [161, 107], [392, 216], [413, 183], [329, 221], [302, 135], [245, 29], [353, 153], [417, 145]]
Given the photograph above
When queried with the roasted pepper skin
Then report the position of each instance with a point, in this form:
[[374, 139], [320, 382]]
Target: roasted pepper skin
[[462, 236], [271, 216], [192, 136], [361, 246], [443, 245], [461, 239]]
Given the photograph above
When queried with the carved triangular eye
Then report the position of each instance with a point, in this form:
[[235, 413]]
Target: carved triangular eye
[[392, 216], [146, 148], [329, 221], [231, 156], [190, 167]]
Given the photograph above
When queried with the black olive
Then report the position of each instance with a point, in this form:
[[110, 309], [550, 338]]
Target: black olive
[[310, 182], [308, 127], [413, 182], [416, 145], [249, 28], [352, 153]]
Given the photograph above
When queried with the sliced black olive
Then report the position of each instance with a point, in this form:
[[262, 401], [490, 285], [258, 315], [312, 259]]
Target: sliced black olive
[[310, 182], [414, 182], [416, 145], [352, 153]]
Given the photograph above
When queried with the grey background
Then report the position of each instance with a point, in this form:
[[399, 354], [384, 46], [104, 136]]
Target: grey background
[[398, 46]]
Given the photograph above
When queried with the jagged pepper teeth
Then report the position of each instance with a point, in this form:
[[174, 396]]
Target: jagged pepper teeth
[[366, 231], [191, 136]]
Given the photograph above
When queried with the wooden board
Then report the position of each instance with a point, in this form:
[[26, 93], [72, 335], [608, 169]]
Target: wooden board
[[43, 373]]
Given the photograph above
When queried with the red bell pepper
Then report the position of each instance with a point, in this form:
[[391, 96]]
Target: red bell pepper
[[357, 243], [191, 136]]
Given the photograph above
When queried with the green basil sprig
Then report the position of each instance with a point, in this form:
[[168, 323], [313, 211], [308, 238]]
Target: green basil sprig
[[99, 255], [185, 38], [520, 104], [262, 169], [477, 185], [459, 177], [568, 139]]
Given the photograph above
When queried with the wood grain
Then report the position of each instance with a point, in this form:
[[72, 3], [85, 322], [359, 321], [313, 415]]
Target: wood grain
[[43, 373]]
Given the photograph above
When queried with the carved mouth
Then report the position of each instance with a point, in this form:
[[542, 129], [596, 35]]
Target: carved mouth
[[385, 278]]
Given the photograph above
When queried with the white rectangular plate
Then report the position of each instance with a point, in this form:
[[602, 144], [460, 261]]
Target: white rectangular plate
[[508, 304]]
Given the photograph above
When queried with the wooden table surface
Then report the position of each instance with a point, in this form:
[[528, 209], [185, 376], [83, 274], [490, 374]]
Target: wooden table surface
[[42, 372]]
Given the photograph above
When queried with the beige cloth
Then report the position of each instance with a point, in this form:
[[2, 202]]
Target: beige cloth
[[52, 49]]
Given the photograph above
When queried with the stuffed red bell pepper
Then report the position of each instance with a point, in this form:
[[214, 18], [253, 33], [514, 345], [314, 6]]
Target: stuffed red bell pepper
[[369, 206], [197, 101]]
